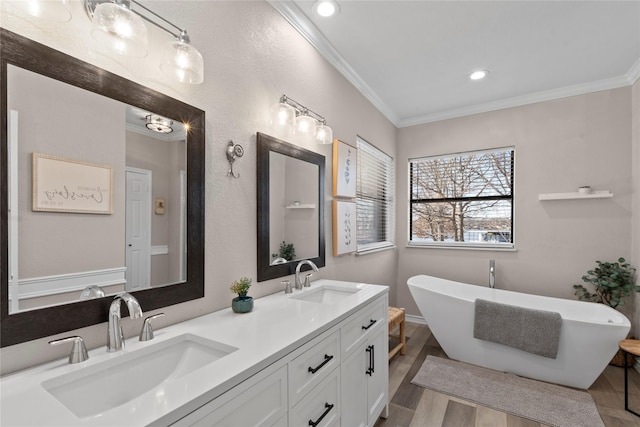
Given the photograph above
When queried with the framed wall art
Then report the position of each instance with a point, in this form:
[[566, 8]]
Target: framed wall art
[[67, 185], [345, 166], [344, 227]]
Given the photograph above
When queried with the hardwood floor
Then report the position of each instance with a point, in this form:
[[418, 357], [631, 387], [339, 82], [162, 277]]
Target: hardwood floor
[[414, 406]]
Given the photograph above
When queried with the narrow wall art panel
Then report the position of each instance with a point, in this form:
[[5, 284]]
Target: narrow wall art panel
[[345, 159], [344, 227]]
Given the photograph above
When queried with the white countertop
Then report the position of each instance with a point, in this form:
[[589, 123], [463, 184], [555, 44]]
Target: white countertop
[[276, 326]]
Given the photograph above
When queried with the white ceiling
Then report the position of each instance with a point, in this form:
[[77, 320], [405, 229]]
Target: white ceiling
[[411, 59]]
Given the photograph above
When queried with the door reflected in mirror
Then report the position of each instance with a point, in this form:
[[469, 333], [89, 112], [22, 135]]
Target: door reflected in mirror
[[56, 252]]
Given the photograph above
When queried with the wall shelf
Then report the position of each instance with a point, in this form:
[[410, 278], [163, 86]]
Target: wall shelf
[[575, 195], [302, 206]]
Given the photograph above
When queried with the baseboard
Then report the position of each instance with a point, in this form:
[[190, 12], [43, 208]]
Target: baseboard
[[415, 319]]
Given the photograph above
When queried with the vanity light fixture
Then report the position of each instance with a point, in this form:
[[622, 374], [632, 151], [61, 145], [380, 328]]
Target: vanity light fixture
[[289, 117], [478, 75], [116, 25], [326, 8], [159, 124]]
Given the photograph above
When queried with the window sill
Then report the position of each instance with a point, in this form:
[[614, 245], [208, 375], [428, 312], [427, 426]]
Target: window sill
[[375, 250], [468, 246]]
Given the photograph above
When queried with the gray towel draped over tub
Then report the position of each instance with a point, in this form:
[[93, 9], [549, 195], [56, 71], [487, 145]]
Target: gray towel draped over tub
[[530, 330]]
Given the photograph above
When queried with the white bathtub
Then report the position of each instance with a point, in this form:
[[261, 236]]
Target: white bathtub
[[588, 339]]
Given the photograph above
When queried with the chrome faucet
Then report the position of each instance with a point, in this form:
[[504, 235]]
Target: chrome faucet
[[492, 273], [304, 261], [115, 337]]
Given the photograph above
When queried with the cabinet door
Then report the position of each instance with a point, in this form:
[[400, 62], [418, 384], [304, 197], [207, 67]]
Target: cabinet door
[[252, 403], [378, 381], [354, 388]]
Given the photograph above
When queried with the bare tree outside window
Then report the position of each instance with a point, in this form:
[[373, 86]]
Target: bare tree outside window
[[463, 198]]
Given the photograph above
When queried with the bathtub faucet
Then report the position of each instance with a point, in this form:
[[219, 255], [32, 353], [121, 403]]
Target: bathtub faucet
[[492, 273]]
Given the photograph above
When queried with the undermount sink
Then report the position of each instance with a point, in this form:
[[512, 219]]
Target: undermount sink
[[106, 385], [327, 293]]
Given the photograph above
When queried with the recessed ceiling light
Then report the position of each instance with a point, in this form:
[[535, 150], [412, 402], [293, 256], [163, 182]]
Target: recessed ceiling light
[[478, 75], [326, 8]]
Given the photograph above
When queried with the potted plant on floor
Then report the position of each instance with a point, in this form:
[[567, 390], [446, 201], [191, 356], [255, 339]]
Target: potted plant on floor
[[612, 282], [242, 303]]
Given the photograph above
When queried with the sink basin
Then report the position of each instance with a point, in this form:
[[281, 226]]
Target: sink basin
[[326, 293], [106, 385]]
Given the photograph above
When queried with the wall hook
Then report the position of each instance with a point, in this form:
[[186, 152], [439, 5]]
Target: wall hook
[[233, 152]]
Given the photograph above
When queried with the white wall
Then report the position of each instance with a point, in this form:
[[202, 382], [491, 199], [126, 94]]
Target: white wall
[[251, 56], [560, 145]]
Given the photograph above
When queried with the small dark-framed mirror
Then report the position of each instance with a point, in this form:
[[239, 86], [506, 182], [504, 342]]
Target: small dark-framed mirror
[[21, 326], [290, 207]]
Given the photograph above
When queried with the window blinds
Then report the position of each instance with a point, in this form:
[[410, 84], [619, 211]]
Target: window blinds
[[375, 195]]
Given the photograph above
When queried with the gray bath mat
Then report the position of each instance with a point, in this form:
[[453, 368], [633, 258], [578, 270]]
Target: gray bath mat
[[542, 402]]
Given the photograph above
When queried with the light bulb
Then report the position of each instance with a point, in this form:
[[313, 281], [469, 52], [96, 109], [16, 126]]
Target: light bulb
[[182, 61], [117, 28], [282, 120], [324, 134]]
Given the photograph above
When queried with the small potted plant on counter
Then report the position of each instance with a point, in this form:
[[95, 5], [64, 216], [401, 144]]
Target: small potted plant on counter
[[242, 303], [612, 282]]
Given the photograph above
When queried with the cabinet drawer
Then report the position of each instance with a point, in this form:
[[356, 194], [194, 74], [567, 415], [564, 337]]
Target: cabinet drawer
[[321, 407], [362, 324], [312, 366], [266, 400]]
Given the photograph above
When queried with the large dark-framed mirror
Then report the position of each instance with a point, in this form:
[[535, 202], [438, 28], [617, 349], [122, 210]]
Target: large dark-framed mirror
[[30, 56], [290, 207]]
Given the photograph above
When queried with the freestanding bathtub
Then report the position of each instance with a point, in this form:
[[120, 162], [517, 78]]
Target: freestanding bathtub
[[589, 332]]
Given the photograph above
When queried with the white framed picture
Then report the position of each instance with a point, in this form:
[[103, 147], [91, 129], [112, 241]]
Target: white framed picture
[[345, 166], [67, 185], [344, 227]]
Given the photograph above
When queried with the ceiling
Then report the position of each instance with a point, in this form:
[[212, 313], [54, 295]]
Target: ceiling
[[412, 59]]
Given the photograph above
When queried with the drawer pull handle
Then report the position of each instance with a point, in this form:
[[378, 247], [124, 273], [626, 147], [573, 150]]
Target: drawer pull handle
[[371, 323], [370, 369], [324, 414], [326, 360]]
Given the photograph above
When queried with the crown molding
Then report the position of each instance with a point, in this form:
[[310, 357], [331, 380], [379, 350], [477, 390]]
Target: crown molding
[[634, 72], [298, 20], [532, 98]]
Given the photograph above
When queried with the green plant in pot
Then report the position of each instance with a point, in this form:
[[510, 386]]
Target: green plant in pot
[[612, 282], [286, 252], [242, 303]]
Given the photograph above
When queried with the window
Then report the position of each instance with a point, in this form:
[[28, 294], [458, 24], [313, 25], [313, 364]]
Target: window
[[374, 198], [462, 199]]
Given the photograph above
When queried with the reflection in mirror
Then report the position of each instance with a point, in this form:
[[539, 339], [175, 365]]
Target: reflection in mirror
[[293, 211], [59, 220], [290, 207], [75, 141]]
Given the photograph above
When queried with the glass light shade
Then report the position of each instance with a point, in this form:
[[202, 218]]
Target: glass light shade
[[282, 120], [306, 125], [182, 62], [119, 29], [159, 124], [324, 134], [50, 10]]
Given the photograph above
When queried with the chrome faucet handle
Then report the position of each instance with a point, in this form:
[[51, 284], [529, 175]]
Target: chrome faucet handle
[[287, 286], [146, 333], [307, 280], [78, 350]]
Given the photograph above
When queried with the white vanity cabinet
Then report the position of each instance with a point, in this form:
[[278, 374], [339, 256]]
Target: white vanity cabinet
[[318, 384], [365, 368]]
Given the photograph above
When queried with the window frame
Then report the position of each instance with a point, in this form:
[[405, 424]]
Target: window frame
[[387, 202], [499, 246]]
